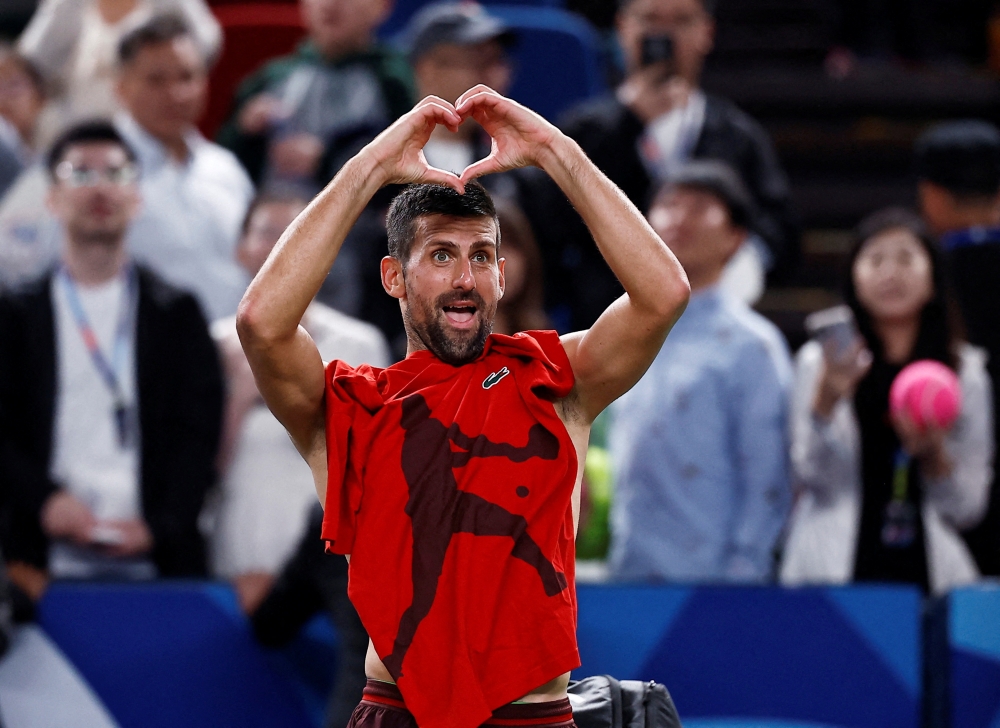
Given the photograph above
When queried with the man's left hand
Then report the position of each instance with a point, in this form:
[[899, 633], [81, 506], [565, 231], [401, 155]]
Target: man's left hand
[[520, 136]]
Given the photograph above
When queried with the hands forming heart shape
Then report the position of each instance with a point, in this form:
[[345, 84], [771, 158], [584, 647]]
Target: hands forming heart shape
[[520, 137]]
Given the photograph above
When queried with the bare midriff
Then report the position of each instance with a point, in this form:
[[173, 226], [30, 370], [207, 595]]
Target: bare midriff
[[554, 689]]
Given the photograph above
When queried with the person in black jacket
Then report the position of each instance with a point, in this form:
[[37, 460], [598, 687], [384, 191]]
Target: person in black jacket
[[657, 120], [958, 171], [110, 393]]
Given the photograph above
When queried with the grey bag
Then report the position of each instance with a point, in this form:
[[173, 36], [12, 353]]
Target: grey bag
[[604, 702]]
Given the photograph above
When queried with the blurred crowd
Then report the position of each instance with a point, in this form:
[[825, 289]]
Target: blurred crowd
[[133, 441]]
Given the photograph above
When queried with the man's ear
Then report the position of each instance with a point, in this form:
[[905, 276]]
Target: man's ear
[[392, 277], [502, 282]]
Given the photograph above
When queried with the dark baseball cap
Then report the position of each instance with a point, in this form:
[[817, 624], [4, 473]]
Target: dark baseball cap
[[721, 181], [961, 156], [462, 23]]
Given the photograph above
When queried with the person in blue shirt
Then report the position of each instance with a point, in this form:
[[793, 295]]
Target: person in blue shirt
[[700, 445]]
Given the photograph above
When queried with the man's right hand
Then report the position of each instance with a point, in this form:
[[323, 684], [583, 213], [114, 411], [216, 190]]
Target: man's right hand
[[66, 517], [398, 151]]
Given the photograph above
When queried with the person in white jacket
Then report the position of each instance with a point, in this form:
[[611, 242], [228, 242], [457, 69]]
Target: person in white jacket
[[849, 522], [74, 43]]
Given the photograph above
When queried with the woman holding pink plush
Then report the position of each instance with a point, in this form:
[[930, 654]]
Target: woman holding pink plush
[[883, 491]]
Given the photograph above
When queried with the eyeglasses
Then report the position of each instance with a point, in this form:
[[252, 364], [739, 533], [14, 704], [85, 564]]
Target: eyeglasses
[[86, 177]]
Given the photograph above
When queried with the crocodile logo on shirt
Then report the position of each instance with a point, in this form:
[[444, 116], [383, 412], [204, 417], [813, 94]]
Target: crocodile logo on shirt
[[494, 379]]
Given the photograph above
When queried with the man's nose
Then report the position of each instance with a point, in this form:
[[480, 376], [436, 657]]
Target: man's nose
[[464, 280]]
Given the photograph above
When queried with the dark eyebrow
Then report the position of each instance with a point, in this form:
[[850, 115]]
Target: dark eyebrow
[[442, 244]]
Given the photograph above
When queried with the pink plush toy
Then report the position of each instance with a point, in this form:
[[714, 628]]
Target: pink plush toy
[[928, 392]]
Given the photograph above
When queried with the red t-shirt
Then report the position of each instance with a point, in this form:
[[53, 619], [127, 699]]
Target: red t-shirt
[[451, 487]]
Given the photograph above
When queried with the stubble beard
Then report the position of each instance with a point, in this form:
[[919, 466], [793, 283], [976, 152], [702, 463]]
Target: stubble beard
[[451, 346]]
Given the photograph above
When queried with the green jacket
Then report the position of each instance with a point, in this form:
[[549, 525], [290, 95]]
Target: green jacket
[[388, 65]]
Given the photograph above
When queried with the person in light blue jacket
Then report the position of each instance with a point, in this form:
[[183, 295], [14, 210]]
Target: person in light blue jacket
[[700, 446]]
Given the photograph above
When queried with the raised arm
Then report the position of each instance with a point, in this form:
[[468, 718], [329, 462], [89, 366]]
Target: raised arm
[[610, 357], [286, 364]]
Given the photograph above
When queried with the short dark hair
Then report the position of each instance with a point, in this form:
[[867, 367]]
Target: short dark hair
[[709, 5], [87, 132], [418, 201], [961, 156], [161, 28], [721, 181], [9, 53]]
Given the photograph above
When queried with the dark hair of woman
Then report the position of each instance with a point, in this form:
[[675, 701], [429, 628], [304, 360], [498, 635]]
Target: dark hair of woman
[[522, 306]]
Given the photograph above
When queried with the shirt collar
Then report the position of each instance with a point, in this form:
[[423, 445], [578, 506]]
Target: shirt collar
[[151, 151], [705, 299]]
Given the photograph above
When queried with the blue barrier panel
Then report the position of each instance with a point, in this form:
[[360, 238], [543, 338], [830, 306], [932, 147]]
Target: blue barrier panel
[[169, 655], [741, 657], [974, 642]]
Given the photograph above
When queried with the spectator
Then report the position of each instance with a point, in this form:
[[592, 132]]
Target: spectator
[[267, 488], [195, 193], [453, 47], [958, 165], [22, 96], [658, 119], [110, 392], [847, 451], [74, 43], [699, 445], [301, 117]]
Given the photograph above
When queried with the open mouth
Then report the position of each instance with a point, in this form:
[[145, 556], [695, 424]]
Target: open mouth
[[460, 314]]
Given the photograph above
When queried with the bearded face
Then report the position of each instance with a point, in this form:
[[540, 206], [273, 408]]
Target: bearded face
[[453, 327], [450, 286]]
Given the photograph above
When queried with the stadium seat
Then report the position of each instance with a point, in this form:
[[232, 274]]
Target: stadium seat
[[405, 9], [557, 58], [252, 34]]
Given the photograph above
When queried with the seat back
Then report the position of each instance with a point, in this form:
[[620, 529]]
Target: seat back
[[253, 33]]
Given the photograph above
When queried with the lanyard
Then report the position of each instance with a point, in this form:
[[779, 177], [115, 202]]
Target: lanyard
[[901, 476], [110, 372]]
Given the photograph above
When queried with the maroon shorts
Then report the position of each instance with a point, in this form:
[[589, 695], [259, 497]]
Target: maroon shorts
[[382, 707]]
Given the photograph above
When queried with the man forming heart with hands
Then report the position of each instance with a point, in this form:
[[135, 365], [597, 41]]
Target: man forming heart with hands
[[452, 479]]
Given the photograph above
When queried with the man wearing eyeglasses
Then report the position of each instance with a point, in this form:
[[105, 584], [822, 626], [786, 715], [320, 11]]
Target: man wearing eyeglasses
[[110, 392]]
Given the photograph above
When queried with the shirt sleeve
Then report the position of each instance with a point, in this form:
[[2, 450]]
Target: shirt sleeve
[[351, 399], [760, 429]]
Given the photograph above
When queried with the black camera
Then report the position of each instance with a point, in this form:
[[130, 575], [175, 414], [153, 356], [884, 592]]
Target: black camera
[[657, 49]]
